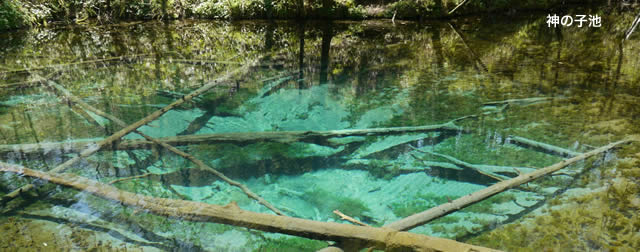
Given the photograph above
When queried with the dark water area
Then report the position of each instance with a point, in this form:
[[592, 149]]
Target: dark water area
[[496, 80]]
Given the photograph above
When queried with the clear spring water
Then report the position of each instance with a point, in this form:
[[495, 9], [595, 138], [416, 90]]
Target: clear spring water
[[305, 76]]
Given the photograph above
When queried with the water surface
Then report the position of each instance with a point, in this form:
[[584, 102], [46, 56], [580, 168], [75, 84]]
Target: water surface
[[306, 76]]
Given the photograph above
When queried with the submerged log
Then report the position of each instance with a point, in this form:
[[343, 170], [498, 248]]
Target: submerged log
[[548, 148], [183, 154], [231, 214], [116, 136], [520, 102], [424, 217], [231, 137], [487, 170]]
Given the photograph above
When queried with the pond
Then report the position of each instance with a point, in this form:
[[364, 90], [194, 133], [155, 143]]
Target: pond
[[376, 119]]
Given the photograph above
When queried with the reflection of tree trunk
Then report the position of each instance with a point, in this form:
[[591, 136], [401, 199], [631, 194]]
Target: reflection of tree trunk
[[327, 5], [156, 55], [612, 84], [327, 34], [170, 48], [619, 67], [440, 8], [301, 28], [363, 75], [268, 36], [557, 61], [164, 9], [16, 135], [268, 6], [437, 45], [120, 48], [300, 9], [475, 56], [35, 136], [108, 9]]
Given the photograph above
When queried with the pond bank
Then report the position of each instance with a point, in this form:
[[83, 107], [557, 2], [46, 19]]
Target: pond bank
[[19, 14]]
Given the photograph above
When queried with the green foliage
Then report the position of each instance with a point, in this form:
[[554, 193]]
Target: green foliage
[[15, 14], [10, 15], [410, 9]]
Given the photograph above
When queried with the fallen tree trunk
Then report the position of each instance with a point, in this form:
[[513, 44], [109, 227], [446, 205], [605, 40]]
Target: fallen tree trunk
[[487, 170], [542, 146], [424, 217], [521, 102], [381, 238], [231, 137]]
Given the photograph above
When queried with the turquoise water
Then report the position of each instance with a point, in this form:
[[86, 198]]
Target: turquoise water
[[304, 77]]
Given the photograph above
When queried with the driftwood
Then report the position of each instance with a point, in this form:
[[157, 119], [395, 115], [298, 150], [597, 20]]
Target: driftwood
[[424, 217], [542, 146], [231, 137], [116, 136], [231, 214]]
